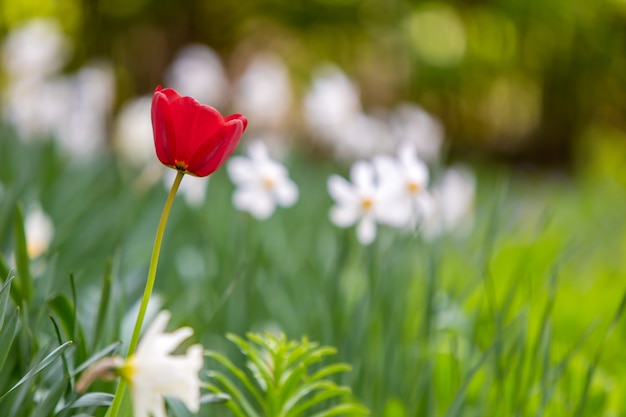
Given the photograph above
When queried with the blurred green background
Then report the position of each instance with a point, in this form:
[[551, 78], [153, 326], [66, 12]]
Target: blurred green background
[[520, 316], [528, 81]]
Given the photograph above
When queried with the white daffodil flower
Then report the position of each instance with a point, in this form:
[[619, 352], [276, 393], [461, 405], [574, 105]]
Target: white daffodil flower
[[197, 71], [452, 204], [405, 178], [153, 372], [264, 93], [409, 122], [262, 183], [39, 231], [364, 202], [35, 50], [132, 131]]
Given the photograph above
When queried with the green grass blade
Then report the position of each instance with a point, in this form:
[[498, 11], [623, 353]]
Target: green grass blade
[[214, 398], [7, 335], [330, 370], [230, 404], [241, 376], [317, 399], [96, 356], [105, 294], [21, 256], [66, 367], [328, 390], [91, 399], [236, 395], [44, 363], [346, 409], [47, 406], [256, 358], [4, 298], [4, 267], [596, 359]]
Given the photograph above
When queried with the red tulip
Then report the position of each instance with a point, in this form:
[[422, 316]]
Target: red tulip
[[192, 137]]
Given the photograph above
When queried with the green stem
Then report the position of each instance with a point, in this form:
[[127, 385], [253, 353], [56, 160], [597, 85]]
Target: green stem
[[154, 261]]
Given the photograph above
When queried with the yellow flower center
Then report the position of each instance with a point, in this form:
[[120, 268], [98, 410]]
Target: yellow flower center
[[413, 188], [268, 183], [367, 204], [181, 166], [127, 370]]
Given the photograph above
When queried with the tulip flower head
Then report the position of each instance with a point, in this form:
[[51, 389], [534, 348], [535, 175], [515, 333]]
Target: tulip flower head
[[190, 137]]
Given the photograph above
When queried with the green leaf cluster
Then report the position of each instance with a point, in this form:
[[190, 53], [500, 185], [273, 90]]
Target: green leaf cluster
[[281, 379]]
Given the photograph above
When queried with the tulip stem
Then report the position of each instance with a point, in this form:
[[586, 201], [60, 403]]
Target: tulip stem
[[154, 261]]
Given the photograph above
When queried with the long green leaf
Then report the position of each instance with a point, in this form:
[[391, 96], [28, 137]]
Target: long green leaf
[[241, 376], [91, 399], [66, 367], [22, 259], [105, 293], [48, 405], [97, 356], [7, 336], [255, 357], [317, 399], [596, 359], [330, 370], [346, 409], [4, 298], [214, 398], [4, 267], [51, 357], [236, 395], [231, 405], [66, 312]]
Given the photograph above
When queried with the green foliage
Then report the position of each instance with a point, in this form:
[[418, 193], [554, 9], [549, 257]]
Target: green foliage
[[280, 381], [37, 368], [519, 317]]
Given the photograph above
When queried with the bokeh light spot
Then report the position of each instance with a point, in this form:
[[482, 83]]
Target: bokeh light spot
[[437, 35]]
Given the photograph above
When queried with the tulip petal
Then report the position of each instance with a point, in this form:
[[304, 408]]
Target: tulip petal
[[194, 125], [163, 129], [214, 152]]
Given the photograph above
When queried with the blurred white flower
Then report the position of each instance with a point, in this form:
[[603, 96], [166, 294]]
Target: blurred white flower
[[83, 130], [331, 100], [35, 108], [153, 372], [406, 178], [262, 183], [132, 132], [192, 188], [364, 202], [411, 123], [263, 93], [334, 114], [452, 204], [362, 136], [39, 231], [72, 109], [197, 71], [35, 50]]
